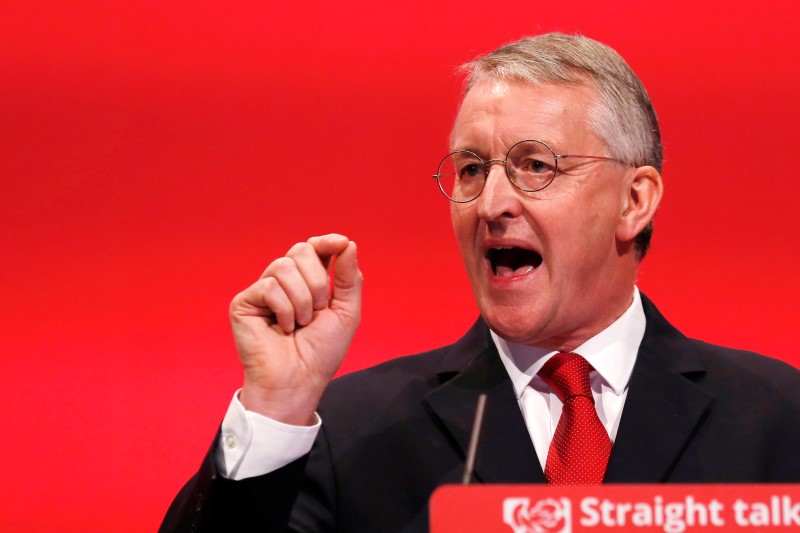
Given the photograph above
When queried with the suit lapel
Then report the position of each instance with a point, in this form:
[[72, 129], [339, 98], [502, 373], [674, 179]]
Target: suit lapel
[[505, 451], [663, 408]]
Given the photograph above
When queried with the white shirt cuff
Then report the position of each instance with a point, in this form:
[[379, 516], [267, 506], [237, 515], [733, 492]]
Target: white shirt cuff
[[253, 445]]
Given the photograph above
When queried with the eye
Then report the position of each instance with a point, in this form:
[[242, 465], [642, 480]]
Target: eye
[[535, 165], [467, 166], [470, 170]]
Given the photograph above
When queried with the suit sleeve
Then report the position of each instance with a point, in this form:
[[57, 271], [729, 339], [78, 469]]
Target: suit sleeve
[[209, 502]]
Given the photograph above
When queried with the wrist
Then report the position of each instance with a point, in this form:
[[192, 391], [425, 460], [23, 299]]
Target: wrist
[[297, 408]]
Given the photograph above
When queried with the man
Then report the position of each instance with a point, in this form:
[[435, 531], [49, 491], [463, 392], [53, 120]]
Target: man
[[554, 179]]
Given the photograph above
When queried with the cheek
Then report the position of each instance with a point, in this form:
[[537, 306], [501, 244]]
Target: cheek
[[455, 216], [578, 234], [603, 218], [463, 225]]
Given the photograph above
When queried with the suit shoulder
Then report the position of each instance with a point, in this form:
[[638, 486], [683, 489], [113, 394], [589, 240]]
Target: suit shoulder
[[687, 353], [749, 371], [743, 360], [429, 369], [393, 373]]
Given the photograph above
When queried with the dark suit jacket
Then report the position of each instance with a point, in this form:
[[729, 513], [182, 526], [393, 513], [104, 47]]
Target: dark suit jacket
[[393, 433]]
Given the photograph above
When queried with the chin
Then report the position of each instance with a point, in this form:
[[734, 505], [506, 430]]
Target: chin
[[514, 324]]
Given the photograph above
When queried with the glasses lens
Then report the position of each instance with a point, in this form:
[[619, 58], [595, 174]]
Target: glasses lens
[[461, 176], [531, 165]]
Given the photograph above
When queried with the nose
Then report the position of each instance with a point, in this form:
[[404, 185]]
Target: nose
[[499, 197]]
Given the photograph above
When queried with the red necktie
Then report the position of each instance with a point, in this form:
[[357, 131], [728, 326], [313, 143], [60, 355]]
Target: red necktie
[[580, 449]]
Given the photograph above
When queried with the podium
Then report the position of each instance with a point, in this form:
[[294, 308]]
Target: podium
[[618, 507]]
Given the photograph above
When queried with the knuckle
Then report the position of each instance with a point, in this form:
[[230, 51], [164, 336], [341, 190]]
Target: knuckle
[[263, 293], [236, 302], [266, 284], [282, 265], [301, 248], [238, 297]]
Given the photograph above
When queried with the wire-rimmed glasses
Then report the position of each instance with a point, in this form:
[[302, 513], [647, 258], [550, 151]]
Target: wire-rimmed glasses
[[530, 165]]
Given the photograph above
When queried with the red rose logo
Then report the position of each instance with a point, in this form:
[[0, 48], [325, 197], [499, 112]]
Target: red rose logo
[[546, 516]]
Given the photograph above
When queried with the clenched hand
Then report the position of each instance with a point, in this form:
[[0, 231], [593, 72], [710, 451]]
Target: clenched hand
[[292, 330]]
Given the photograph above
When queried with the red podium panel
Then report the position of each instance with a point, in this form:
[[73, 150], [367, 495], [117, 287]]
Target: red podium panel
[[667, 508]]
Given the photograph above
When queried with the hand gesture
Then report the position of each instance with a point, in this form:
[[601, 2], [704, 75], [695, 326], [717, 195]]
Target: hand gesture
[[292, 330]]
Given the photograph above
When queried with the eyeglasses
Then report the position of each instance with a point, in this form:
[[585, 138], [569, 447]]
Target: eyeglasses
[[530, 166]]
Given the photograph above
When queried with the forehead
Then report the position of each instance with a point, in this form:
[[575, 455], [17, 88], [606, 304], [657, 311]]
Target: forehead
[[498, 113]]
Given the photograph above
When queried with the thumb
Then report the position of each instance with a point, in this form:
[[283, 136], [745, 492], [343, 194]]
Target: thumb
[[347, 278]]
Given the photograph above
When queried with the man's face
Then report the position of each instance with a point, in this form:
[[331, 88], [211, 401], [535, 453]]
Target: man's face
[[545, 267]]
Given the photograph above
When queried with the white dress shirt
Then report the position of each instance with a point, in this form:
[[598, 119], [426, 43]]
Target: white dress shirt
[[612, 354], [253, 445]]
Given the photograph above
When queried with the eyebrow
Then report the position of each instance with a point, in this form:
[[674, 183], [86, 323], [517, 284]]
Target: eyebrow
[[554, 146], [467, 148]]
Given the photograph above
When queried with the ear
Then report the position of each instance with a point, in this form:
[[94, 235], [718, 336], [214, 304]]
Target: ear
[[641, 195]]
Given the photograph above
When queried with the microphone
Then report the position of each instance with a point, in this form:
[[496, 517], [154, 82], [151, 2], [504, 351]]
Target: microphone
[[473, 440]]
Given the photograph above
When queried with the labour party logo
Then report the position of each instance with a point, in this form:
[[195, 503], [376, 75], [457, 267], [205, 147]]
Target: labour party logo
[[549, 515]]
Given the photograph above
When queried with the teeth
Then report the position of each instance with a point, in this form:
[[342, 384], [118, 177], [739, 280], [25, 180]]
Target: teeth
[[508, 261], [507, 272]]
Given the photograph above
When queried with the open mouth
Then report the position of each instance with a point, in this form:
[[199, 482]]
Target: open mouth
[[512, 261]]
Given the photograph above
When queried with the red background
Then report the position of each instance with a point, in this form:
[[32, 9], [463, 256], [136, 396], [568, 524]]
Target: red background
[[155, 156]]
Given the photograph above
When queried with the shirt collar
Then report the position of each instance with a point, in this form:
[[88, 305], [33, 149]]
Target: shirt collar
[[612, 352]]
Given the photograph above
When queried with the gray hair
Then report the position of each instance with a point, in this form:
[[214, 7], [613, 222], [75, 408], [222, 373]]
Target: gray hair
[[623, 117]]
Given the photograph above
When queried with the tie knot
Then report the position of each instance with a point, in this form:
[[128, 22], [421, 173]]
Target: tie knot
[[568, 375]]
